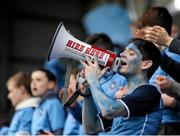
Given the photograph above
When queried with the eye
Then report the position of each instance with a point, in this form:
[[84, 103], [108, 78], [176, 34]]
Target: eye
[[131, 52]]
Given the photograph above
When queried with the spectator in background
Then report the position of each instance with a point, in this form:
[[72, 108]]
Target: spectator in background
[[159, 36], [56, 66], [20, 95], [49, 116], [171, 116], [4, 124], [73, 126], [170, 87]]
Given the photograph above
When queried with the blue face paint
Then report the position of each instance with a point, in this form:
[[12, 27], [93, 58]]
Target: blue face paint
[[133, 62], [133, 47]]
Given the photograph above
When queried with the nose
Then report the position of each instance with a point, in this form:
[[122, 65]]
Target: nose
[[9, 96], [122, 55]]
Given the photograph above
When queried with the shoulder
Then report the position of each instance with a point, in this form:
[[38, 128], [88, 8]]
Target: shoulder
[[51, 100], [144, 99], [52, 97], [25, 111], [146, 90]]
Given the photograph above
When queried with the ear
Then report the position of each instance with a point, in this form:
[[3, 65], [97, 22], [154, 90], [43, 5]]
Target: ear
[[146, 64], [51, 85], [22, 88]]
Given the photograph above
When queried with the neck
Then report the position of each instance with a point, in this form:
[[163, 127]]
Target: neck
[[136, 81], [25, 97]]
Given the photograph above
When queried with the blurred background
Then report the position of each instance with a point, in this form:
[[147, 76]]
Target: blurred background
[[27, 28]]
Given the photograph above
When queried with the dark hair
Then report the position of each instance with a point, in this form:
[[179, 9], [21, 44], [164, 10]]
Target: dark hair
[[157, 16], [50, 75], [100, 40], [21, 79], [149, 52]]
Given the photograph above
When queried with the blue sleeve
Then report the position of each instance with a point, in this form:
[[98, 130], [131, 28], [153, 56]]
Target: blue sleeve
[[56, 116], [71, 126], [174, 46], [159, 71], [143, 100], [21, 122], [106, 124], [76, 111], [25, 121], [169, 65], [4, 130]]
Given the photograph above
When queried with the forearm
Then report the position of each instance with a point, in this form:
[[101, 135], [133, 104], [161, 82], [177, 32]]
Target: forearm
[[91, 122], [175, 87], [108, 107], [76, 111], [169, 66], [175, 46]]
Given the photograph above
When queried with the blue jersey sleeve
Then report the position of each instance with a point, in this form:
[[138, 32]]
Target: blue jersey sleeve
[[56, 116], [26, 119], [106, 124], [76, 111], [143, 100], [159, 71], [71, 126], [21, 122]]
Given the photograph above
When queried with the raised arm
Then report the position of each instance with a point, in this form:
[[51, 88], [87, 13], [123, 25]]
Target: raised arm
[[108, 107], [158, 35], [91, 123], [169, 65]]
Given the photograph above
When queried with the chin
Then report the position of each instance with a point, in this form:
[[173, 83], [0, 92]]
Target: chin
[[35, 94], [14, 104], [122, 72]]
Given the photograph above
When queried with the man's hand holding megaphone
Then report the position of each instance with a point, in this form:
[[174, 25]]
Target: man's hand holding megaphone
[[82, 86], [64, 45], [92, 69]]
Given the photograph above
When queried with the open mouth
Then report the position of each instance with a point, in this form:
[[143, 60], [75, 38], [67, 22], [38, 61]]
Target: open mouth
[[34, 89], [123, 63]]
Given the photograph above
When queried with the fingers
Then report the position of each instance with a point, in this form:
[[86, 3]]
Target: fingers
[[104, 70], [95, 59], [159, 28], [160, 78], [151, 33], [88, 60], [83, 63], [164, 82], [139, 34], [121, 92]]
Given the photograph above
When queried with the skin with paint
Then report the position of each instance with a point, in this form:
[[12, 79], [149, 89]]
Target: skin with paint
[[132, 67]]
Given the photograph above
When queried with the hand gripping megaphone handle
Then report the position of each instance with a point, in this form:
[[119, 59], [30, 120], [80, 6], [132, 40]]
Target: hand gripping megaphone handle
[[75, 95], [64, 45], [78, 92]]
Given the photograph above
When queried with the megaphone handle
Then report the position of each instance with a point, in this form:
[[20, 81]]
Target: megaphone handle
[[67, 78]]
